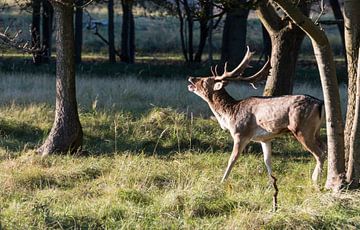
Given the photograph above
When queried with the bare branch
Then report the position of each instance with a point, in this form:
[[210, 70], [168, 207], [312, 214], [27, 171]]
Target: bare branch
[[15, 42]]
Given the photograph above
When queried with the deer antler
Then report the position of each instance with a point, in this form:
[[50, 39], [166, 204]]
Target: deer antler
[[239, 69], [235, 74], [262, 73]]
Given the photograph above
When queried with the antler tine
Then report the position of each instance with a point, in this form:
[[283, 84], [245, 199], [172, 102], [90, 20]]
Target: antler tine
[[239, 69], [263, 72], [212, 71], [216, 70]]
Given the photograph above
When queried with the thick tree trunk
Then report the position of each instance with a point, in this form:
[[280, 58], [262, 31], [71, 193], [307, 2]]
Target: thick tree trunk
[[234, 36], [352, 44], [66, 133], [35, 30], [326, 65], [47, 23], [78, 30], [266, 42], [286, 39], [285, 50], [111, 34], [127, 33]]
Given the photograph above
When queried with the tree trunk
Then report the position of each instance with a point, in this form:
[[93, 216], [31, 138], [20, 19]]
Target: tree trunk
[[35, 30], [326, 65], [210, 33], [266, 42], [203, 36], [285, 50], [66, 133], [127, 33], [352, 44], [111, 33], [47, 23], [181, 30], [190, 26], [78, 30], [335, 6], [353, 169], [234, 36], [286, 39]]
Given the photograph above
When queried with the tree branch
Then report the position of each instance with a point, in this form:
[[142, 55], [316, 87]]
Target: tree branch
[[14, 42]]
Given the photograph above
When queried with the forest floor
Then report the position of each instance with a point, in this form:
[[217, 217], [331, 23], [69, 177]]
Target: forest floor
[[155, 162]]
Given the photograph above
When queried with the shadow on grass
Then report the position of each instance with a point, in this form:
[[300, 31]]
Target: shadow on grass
[[16, 135]]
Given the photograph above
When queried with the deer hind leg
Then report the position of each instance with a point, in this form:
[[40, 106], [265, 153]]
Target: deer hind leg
[[238, 147], [312, 142], [266, 148]]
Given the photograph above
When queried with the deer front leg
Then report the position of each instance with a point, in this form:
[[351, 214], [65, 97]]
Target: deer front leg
[[239, 145]]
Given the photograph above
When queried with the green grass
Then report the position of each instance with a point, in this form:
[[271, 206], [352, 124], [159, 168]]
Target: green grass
[[155, 162]]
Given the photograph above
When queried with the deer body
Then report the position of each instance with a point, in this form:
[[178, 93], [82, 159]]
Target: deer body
[[261, 119]]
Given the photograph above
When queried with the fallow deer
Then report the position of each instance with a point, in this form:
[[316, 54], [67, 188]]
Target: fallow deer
[[261, 119]]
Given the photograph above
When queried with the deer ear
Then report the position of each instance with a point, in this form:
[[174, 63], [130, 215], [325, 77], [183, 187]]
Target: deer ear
[[218, 85]]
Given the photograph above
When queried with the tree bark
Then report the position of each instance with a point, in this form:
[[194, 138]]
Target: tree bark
[[326, 65], [286, 39], [111, 33], [234, 36], [47, 23], [66, 133], [128, 33], [266, 42], [353, 169], [35, 30], [352, 44], [78, 30]]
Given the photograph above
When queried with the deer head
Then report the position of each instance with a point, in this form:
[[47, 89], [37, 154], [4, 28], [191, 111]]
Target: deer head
[[205, 87]]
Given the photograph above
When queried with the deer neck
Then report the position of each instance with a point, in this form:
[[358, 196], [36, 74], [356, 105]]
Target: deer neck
[[222, 105]]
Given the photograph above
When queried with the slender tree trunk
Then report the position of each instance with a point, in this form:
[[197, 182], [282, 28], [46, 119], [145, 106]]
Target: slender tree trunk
[[190, 26], [286, 39], [326, 65], [127, 33], [111, 33], [78, 30], [335, 6], [48, 13], [66, 133], [352, 43], [35, 30], [203, 36], [181, 30], [132, 36], [210, 33], [234, 36]]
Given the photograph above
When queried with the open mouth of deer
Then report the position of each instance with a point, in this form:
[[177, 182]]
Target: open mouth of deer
[[192, 86]]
